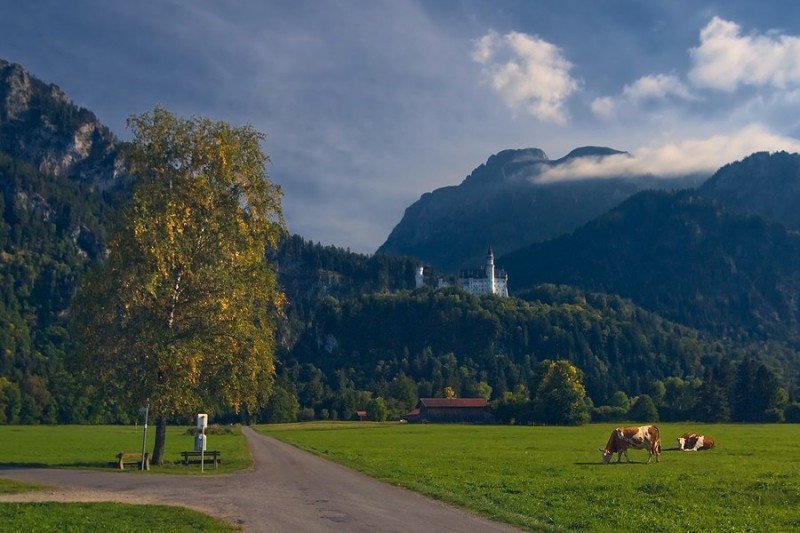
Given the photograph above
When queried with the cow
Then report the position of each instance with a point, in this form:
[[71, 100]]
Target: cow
[[632, 437], [693, 442]]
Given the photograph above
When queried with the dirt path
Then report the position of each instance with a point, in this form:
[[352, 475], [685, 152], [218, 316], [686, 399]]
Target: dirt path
[[287, 491]]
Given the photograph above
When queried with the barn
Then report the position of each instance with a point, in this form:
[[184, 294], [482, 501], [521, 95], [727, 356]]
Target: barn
[[451, 410]]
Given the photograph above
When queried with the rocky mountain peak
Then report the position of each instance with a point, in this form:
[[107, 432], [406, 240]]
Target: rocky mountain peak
[[505, 165], [39, 124]]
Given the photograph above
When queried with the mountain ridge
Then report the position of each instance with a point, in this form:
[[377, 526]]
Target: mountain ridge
[[500, 204]]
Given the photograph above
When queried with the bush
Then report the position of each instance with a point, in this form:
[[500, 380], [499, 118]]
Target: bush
[[773, 415], [791, 413], [306, 414], [212, 429], [643, 409], [608, 413]]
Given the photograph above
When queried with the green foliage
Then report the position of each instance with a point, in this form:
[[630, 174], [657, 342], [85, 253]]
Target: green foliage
[[181, 313], [282, 406], [446, 338], [643, 409], [792, 413], [684, 257], [560, 398], [376, 410]]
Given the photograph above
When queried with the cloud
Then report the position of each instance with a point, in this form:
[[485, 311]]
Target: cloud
[[528, 73], [653, 88], [656, 87], [680, 158], [603, 106], [726, 59]]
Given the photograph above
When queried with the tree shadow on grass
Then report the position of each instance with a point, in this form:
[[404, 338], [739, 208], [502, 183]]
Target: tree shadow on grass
[[88, 465]]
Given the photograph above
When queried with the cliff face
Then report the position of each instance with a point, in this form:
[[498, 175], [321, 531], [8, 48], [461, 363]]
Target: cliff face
[[500, 204], [41, 126]]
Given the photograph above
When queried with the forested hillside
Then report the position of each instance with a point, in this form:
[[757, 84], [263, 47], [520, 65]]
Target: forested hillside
[[684, 257], [414, 344], [53, 221]]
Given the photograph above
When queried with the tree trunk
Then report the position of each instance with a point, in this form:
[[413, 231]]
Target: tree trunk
[[161, 439]]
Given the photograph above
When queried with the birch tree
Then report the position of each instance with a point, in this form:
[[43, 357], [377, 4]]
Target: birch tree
[[181, 312]]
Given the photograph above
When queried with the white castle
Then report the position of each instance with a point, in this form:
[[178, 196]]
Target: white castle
[[479, 281]]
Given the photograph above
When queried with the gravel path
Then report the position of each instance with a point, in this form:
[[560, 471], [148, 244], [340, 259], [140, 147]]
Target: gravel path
[[287, 491]]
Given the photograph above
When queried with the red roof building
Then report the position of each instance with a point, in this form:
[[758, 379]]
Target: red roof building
[[451, 410]]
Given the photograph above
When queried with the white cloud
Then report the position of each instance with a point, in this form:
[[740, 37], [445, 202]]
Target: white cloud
[[726, 59], [656, 87], [530, 74], [686, 157], [604, 106], [662, 88]]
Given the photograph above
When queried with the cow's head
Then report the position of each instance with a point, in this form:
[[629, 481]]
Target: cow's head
[[606, 455]]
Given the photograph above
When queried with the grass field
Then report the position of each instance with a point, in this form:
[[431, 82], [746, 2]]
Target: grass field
[[537, 478], [94, 447], [551, 478]]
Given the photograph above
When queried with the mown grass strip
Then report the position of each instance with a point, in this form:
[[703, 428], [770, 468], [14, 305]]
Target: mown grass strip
[[116, 517]]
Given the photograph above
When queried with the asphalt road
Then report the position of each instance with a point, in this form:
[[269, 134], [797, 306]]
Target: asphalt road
[[287, 491]]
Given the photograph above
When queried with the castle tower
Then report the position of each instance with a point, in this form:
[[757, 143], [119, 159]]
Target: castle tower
[[419, 278], [490, 271]]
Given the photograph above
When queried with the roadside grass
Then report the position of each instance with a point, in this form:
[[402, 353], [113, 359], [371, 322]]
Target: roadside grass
[[116, 517], [95, 447], [551, 479], [12, 486]]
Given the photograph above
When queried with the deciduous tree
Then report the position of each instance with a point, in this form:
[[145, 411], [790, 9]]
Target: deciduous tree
[[560, 397], [181, 312]]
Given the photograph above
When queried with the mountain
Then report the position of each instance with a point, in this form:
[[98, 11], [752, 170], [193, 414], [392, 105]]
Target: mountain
[[501, 204], [763, 184], [57, 170], [684, 257], [39, 125]]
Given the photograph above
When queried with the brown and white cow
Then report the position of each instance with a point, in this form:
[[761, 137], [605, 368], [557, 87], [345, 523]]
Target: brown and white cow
[[693, 442], [621, 439]]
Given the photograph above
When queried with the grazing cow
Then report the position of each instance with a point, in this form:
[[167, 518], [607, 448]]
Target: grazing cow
[[633, 437], [693, 442]]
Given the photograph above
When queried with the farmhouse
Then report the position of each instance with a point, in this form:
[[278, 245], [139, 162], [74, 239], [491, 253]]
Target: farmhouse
[[451, 410]]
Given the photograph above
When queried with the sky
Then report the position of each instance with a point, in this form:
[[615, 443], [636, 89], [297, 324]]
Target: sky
[[368, 104]]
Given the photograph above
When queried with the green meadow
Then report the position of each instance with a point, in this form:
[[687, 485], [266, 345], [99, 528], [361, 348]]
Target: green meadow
[[94, 447], [537, 478], [551, 479]]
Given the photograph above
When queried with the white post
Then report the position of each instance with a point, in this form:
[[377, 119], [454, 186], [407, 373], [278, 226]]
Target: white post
[[144, 438], [202, 422]]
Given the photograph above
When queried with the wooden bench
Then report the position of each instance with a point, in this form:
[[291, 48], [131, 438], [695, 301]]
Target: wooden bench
[[209, 456], [132, 459]]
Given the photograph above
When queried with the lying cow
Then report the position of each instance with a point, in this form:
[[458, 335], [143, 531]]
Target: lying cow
[[621, 439], [692, 442]]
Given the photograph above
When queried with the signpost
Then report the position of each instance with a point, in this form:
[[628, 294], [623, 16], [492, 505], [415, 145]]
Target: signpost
[[144, 438], [200, 438]]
